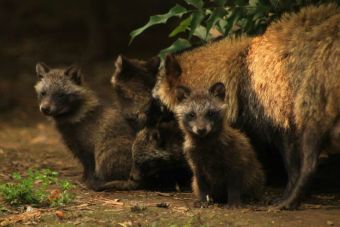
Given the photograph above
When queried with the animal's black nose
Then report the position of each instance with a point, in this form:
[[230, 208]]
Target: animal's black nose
[[45, 109], [201, 131]]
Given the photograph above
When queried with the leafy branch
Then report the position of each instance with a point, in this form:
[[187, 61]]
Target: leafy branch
[[201, 21]]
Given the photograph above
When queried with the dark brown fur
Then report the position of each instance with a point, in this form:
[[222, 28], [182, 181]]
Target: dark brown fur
[[132, 83], [221, 158], [157, 161], [157, 158], [98, 136]]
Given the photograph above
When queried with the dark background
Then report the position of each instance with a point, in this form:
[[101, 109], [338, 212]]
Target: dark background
[[60, 32]]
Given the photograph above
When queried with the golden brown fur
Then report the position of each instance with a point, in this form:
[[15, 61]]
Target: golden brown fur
[[294, 68], [285, 83], [297, 54], [222, 60]]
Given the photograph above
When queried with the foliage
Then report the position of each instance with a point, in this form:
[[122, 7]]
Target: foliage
[[36, 189], [201, 21]]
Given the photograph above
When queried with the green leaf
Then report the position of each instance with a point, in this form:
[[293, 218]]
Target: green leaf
[[176, 11], [220, 2], [274, 3], [254, 2], [16, 176], [220, 26], [214, 17], [197, 3], [201, 32], [181, 27], [197, 18], [241, 2], [178, 45]]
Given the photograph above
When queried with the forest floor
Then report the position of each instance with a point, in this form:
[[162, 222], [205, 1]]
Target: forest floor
[[28, 141]]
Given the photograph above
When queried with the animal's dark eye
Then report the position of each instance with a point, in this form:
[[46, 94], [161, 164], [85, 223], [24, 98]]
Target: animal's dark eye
[[212, 113], [61, 95], [191, 115], [42, 94]]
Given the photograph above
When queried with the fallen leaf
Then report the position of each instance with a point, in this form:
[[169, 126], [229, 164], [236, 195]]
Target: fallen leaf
[[60, 214], [54, 194], [330, 223], [115, 202], [164, 194], [39, 139], [29, 209], [182, 209], [125, 224], [83, 205]]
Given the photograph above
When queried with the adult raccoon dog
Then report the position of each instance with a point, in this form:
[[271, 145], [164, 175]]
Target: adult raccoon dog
[[98, 136], [221, 158], [284, 86]]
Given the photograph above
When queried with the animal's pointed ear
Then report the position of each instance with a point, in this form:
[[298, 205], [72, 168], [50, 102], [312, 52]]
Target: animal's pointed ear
[[172, 69], [124, 68], [119, 63], [152, 64], [182, 93], [218, 90], [41, 69], [75, 74]]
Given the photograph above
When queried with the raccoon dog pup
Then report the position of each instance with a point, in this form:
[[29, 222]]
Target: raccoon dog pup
[[98, 136], [158, 162], [224, 165]]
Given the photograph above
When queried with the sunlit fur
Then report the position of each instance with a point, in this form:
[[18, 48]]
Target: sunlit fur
[[291, 72], [294, 68], [222, 61], [222, 158], [282, 86]]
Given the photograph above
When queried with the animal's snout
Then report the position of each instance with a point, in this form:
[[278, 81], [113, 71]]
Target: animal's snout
[[201, 131], [45, 109], [48, 109]]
